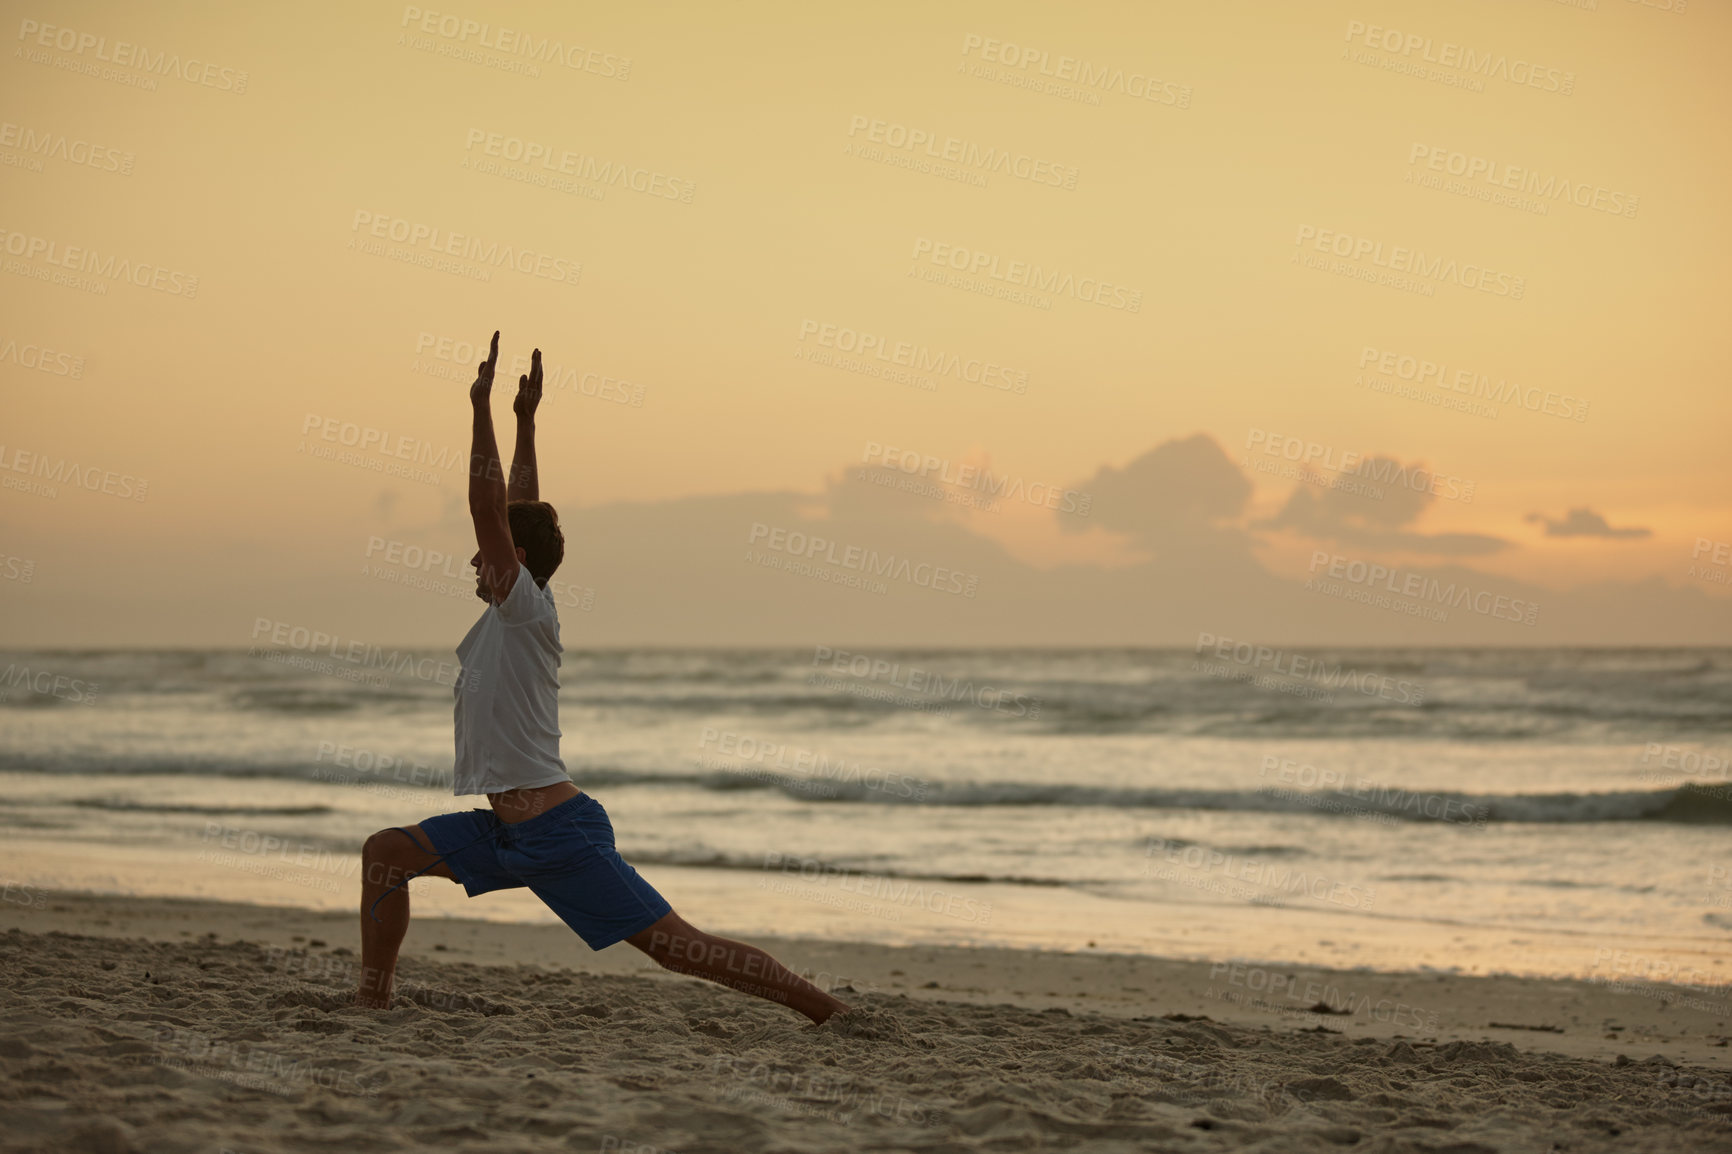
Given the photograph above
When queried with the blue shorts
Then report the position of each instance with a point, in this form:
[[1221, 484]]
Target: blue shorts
[[565, 856]]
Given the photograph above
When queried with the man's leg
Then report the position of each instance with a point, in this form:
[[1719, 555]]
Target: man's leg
[[675, 945], [388, 860]]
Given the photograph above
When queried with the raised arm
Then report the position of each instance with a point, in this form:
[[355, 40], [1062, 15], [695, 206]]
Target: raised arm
[[487, 492], [525, 484]]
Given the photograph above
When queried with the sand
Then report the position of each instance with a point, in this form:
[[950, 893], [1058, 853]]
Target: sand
[[131, 1024]]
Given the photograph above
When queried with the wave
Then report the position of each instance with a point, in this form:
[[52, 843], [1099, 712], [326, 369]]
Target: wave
[[815, 869], [114, 804], [1690, 803], [1696, 804]]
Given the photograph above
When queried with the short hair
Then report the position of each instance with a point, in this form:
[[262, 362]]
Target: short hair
[[535, 530]]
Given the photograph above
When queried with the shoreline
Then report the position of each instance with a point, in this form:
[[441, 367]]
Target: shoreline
[[1572, 1017], [262, 842]]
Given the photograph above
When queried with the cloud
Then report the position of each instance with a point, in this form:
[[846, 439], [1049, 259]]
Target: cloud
[[1584, 522], [1375, 515], [1179, 489]]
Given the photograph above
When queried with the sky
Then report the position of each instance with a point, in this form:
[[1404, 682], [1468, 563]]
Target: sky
[[1335, 323]]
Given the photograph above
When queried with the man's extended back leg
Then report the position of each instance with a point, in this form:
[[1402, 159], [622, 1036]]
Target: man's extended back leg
[[675, 945]]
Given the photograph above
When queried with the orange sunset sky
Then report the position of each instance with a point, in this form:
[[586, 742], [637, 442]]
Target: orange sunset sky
[[1142, 253]]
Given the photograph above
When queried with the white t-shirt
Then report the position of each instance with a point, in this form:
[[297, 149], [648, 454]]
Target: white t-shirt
[[507, 694]]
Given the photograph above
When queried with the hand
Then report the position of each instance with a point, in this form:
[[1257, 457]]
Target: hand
[[528, 389], [482, 390]]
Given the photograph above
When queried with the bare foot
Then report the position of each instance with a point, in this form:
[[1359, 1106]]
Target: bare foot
[[838, 1010], [873, 1023]]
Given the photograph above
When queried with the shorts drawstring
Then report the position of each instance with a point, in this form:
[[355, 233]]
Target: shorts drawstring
[[372, 910]]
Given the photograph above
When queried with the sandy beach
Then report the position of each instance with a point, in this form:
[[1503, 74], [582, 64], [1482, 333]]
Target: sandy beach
[[163, 1024]]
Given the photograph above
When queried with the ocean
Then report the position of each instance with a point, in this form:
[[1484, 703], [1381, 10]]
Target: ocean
[[1550, 812]]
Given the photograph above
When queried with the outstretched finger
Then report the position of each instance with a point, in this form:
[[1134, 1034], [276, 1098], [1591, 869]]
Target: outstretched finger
[[493, 352], [535, 368]]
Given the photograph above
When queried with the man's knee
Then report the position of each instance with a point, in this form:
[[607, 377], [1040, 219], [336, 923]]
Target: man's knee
[[388, 858], [382, 846]]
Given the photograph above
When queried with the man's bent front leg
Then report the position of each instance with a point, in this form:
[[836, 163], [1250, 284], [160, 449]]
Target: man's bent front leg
[[676, 946], [388, 860]]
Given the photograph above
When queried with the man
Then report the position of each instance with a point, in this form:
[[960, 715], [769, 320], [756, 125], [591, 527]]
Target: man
[[542, 831]]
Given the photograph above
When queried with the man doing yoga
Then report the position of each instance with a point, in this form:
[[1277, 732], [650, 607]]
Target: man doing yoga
[[542, 832]]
